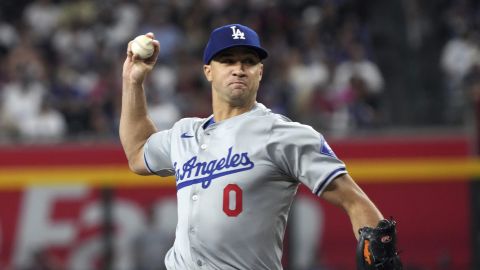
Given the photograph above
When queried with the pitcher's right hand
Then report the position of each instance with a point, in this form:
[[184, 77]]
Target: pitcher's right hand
[[136, 69]]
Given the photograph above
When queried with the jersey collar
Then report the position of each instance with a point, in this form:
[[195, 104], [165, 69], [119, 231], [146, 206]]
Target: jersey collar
[[209, 122], [256, 107]]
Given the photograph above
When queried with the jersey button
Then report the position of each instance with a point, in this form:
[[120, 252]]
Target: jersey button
[[203, 146], [199, 263], [195, 197]]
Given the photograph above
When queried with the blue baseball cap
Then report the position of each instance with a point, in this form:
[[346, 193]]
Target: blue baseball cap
[[229, 36]]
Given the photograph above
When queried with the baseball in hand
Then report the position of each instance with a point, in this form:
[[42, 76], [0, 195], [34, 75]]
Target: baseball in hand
[[142, 46]]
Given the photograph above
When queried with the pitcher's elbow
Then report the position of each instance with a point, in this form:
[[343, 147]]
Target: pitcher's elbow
[[138, 169]]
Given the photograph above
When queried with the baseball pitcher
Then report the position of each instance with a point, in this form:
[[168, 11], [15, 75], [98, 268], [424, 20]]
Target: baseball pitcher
[[238, 170]]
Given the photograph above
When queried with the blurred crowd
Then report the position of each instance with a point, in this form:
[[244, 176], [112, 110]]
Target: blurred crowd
[[60, 62], [460, 60]]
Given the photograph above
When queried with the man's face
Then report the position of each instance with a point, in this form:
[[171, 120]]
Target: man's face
[[235, 75]]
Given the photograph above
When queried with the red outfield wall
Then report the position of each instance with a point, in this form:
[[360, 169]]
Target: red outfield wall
[[433, 212], [50, 197]]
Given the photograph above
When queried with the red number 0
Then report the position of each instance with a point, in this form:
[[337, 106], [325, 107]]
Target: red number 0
[[238, 200]]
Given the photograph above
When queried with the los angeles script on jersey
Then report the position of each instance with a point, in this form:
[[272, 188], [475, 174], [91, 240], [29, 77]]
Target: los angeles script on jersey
[[194, 171]]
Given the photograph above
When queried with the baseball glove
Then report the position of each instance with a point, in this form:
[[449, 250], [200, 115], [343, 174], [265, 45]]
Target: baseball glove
[[376, 248]]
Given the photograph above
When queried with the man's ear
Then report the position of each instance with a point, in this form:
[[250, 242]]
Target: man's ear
[[261, 71], [207, 70]]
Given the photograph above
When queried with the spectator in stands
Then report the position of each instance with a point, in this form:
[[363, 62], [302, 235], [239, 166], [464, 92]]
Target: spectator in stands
[[47, 126], [356, 88], [305, 74], [358, 65], [8, 39], [159, 20], [459, 56], [164, 112], [21, 99], [41, 17], [123, 18], [71, 101]]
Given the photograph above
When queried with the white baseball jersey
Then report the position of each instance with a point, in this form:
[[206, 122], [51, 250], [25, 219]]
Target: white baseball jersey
[[236, 180]]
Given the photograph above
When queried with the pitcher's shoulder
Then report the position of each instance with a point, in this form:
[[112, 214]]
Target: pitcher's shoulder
[[189, 122], [266, 114], [281, 123]]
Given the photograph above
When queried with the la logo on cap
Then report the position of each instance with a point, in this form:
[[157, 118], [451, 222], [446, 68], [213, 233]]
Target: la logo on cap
[[236, 33]]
